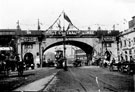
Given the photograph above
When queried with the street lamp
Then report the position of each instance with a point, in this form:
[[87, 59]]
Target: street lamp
[[64, 48]]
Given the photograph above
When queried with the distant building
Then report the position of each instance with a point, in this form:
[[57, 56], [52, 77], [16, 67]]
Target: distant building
[[80, 54], [110, 44], [50, 56], [131, 23], [107, 45]]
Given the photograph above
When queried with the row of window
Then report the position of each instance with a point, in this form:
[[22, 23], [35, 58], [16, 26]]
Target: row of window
[[28, 46], [79, 51], [131, 51], [126, 43]]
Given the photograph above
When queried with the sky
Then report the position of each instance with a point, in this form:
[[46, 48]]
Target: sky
[[82, 13], [69, 49]]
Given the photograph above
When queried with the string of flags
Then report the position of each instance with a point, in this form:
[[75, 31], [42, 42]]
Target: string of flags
[[59, 22], [56, 21]]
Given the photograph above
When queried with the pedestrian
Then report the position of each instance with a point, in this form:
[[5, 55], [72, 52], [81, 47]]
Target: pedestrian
[[132, 65], [108, 55], [2, 58], [37, 60], [8, 64], [19, 66], [113, 61]]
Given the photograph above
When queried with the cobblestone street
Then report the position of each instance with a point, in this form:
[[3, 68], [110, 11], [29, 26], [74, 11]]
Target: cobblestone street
[[91, 79], [80, 79]]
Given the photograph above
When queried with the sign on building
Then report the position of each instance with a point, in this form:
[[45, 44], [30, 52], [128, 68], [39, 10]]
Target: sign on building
[[28, 39], [109, 38]]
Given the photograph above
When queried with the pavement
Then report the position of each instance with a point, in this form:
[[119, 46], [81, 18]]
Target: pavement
[[13, 81], [36, 85]]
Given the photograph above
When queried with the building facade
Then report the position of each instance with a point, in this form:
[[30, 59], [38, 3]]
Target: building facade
[[80, 54], [107, 45], [127, 42], [29, 43], [21, 42]]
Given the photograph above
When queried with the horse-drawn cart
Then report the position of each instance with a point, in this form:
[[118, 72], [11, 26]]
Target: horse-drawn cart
[[126, 67]]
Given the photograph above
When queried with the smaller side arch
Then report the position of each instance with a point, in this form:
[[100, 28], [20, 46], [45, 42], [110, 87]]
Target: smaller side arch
[[29, 60]]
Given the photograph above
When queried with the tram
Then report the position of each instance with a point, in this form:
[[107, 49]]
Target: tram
[[59, 59]]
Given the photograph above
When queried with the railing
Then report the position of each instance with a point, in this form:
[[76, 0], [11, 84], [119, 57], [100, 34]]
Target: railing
[[82, 33], [70, 33]]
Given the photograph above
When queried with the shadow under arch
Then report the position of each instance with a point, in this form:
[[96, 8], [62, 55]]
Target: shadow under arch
[[29, 59], [85, 47]]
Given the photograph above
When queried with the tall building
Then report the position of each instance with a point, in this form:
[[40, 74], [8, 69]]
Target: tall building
[[127, 42], [108, 45]]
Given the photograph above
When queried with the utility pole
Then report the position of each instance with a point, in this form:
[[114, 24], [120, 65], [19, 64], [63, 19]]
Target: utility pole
[[16, 36], [64, 48], [102, 46], [38, 25], [40, 54]]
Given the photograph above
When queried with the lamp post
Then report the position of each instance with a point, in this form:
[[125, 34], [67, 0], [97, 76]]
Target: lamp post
[[64, 48]]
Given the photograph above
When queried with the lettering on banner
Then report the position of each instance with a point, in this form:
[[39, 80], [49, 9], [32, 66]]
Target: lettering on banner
[[109, 38], [28, 39], [72, 33]]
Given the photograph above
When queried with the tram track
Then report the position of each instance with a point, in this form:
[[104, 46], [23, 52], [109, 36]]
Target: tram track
[[91, 75], [101, 81], [98, 81], [81, 84], [48, 85]]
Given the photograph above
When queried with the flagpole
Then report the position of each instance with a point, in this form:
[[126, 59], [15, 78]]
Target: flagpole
[[64, 44], [40, 57], [54, 22], [38, 25]]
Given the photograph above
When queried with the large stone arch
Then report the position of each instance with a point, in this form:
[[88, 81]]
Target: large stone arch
[[84, 46]]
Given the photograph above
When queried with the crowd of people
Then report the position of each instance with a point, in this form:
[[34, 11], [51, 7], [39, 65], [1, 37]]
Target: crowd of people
[[10, 62], [122, 65]]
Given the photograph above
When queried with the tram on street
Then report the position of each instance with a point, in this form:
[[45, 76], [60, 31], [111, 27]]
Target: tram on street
[[59, 59]]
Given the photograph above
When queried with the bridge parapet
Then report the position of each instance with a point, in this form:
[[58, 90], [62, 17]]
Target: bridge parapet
[[81, 33]]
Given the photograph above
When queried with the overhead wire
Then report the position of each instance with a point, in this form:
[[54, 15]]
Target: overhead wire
[[54, 22]]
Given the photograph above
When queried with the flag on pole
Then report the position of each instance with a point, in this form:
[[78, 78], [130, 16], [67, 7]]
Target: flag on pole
[[59, 25], [67, 18], [18, 25], [114, 27], [38, 25]]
